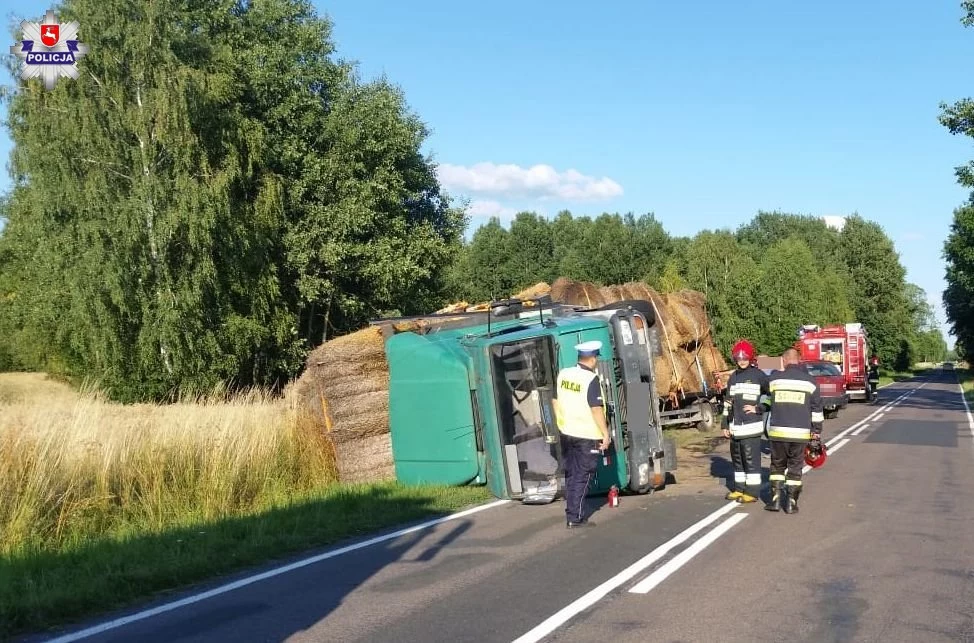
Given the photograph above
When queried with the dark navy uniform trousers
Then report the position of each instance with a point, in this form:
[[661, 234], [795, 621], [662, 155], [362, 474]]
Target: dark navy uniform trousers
[[581, 457]]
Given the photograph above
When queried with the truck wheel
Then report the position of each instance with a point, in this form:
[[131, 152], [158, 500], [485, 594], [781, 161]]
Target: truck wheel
[[707, 417], [831, 415]]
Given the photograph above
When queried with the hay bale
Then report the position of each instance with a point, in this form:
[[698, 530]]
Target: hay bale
[[345, 390], [459, 307], [577, 293], [611, 294], [665, 380], [366, 459], [638, 290], [712, 360], [539, 289], [687, 316], [675, 371]]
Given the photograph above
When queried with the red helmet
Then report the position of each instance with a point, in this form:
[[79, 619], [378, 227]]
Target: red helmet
[[874, 360], [743, 351], [815, 455]]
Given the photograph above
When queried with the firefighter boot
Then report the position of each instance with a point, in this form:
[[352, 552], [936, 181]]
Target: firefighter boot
[[777, 492], [734, 495], [751, 495], [791, 506]]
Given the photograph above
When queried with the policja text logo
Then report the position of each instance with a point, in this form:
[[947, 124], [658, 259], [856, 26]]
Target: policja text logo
[[49, 50]]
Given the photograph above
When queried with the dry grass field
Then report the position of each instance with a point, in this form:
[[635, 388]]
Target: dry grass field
[[102, 504]]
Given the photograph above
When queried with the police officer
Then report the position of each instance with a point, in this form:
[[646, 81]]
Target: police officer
[[796, 417], [747, 392], [580, 412], [873, 377]]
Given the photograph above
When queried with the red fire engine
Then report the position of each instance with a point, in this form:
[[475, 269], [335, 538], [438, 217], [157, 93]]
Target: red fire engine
[[846, 346]]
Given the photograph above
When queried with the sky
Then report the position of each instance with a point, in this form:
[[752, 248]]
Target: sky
[[702, 113]]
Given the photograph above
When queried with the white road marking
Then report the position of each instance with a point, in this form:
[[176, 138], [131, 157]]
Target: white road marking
[[585, 601], [650, 582], [839, 446], [536, 634], [967, 408], [243, 582], [860, 429]]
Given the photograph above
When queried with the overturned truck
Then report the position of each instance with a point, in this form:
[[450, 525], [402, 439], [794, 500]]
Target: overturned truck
[[463, 396]]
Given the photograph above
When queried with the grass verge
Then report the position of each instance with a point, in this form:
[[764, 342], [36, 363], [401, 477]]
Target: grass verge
[[889, 377], [966, 378], [103, 505], [41, 588]]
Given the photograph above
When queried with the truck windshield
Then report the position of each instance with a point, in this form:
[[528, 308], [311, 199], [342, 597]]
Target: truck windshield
[[524, 379]]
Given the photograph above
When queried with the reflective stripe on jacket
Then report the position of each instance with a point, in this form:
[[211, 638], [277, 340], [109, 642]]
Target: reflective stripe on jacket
[[745, 387], [796, 405]]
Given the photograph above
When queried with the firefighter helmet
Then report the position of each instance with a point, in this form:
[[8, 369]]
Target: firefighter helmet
[[742, 351], [815, 454]]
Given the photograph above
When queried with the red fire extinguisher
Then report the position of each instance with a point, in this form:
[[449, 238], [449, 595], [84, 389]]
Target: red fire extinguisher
[[614, 496]]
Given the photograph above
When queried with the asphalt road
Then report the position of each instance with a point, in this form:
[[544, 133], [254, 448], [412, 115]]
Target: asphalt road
[[882, 550]]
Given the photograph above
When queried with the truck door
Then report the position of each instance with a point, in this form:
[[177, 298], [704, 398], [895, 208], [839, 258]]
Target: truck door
[[524, 379], [833, 350]]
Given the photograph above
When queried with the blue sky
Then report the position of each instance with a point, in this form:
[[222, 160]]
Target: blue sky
[[703, 112]]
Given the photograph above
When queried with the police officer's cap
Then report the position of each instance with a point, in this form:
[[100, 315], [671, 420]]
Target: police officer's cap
[[588, 349]]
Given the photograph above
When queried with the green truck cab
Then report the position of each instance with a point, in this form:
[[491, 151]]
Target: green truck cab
[[471, 402]]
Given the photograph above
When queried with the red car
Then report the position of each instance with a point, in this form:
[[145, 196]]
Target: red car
[[831, 385]]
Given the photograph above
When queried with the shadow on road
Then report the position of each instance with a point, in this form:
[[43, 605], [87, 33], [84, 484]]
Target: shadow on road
[[311, 593]]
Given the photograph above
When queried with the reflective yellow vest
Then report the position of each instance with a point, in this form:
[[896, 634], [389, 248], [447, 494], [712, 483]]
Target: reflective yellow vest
[[574, 413]]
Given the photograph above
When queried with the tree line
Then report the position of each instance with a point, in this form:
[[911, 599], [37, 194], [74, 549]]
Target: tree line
[[218, 193], [762, 281], [958, 297]]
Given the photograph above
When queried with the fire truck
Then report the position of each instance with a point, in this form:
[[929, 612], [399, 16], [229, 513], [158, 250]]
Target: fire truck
[[846, 346]]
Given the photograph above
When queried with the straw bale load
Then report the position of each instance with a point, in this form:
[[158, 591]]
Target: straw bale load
[[683, 324], [578, 293], [539, 289], [345, 386]]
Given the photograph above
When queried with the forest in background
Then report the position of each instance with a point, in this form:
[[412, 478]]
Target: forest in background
[[762, 281], [203, 210]]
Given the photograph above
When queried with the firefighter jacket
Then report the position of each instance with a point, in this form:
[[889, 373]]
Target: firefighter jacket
[[795, 405], [873, 374], [578, 391], [745, 387]]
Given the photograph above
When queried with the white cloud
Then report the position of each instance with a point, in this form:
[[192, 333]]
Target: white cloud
[[834, 221], [487, 209], [514, 181]]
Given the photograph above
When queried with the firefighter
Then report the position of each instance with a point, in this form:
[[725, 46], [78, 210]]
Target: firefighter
[[873, 377], [580, 413], [744, 400], [796, 417]]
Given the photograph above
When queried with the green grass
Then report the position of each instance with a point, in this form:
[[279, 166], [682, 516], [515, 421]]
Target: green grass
[[889, 377], [43, 587], [966, 378], [103, 505]]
